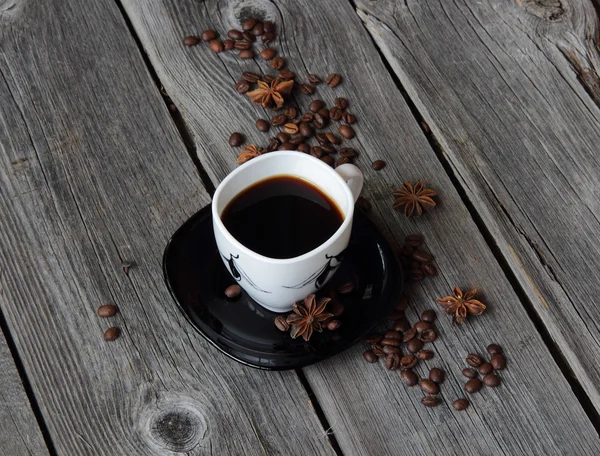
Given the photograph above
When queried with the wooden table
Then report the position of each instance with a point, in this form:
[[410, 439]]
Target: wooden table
[[494, 103]]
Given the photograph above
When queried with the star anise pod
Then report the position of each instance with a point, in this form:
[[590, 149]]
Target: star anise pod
[[308, 316], [249, 152], [461, 305], [415, 199], [269, 95]]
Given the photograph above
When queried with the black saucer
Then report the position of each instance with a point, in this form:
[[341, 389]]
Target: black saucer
[[244, 330]]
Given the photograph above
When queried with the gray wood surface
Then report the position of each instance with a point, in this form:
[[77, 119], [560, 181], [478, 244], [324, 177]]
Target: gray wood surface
[[370, 411], [19, 431], [93, 172], [510, 91]]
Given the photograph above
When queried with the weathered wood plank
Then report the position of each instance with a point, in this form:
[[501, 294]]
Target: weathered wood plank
[[19, 431], [510, 91], [534, 412], [93, 172]]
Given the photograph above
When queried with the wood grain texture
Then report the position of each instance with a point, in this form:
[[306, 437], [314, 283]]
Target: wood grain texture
[[370, 411], [511, 92], [19, 431], [93, 172]]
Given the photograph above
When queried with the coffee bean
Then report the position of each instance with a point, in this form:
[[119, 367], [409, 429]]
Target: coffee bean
[[320, 121], [233, 291], [290, 128], [409, 377], [277, 63], [329, 160], [268, 54], [414, 346], [429, 270], [494, 349], [236, 139], [247, 54], [388, 350], [297, 140], [414, 240], [349, 118], [208, 35], [324, 112], [372, 339], [469, 373], [474, 360], [234, 34], [348, 152], [316, 151], [392, 362], [281, 136], [437, 375], [274, 144], [333, 80], [425, 355], [485, 368], [314, 79], [473, 385], [228, 45], [111, 334], [278, 120], [305, 130], [191, 40], [428, 387], [249, 24], [460, 404], [281, 323], [267, 37], [429, 335], [341, 103], [370, 357], [334, 325], [316, 105], [305, 148], [258, 30], [333, 139], [408, 361], [262, 125], [322, 138], [377, 165], [307, 89], [421, 326], [242, 45], [335, 113], [391, 334], [346, 287], [346, 131], [107, 310], [422, 256], [269, 26], [248, 37], [491, 380], [378, 350], [402, 325], [287, 75], [392, 342], [402, 303], [242, 87], [307, 117], [430, 401], [287, 146], [428, 315], [498, 361]]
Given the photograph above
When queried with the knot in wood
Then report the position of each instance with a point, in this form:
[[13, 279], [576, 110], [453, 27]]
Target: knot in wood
[[177, 428], [258, 9], [551, 10]]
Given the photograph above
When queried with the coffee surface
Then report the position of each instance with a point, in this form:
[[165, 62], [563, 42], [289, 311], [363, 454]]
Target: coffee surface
[[282, 217]]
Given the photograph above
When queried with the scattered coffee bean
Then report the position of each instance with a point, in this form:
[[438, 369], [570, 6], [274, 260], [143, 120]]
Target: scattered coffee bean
[[430, 401], [498, 361], [287, 146], [491, 380], [262, 125], [363, 203], [319, 121], [425, 355], [269, 26], [305, 148], [341, 103], [249, 24], [316, 105], [333, 325], [409, 335], [334, 80], [473, 385], [111, 334], [429, 335], [267, 37], [335, 113], [236, 139], [277, 63], [234, 34], [307, 89], [388, 350], [422, 256], [242, 86], [414, 346], [307, 117], [391, 334], [316, 151], [281, 323], [494, 349], [392, 342], [329, 160], [469, 373], [428, 315], [485, 368], [428, 387], [409, 377], [378, 350], [208, 35], [246, 54], [242, 45], [290, 128], [460, 404], [349, 118], [370, 357], [268, 54], [421, 326], [474, 360], [402, 325], [429, 269], [296, 140], [274, 144], [414, 240], [333, 139], [314, 79], [278, 120], [281, 136], [408, 361], [233, 291], [392, 362], [377, 165], [373, 339], [228, 45], [258, 30], [437, 375], [348, 152], [250, 76], [191, 40], [346, 131], [287, 75], [107, 310], [249, 37], [305, 130]]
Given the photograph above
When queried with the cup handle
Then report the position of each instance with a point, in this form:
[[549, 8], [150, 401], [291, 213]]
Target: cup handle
[[353, 177]]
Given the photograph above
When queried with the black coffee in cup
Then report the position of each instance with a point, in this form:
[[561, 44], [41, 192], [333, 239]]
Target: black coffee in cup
[[282, 217]]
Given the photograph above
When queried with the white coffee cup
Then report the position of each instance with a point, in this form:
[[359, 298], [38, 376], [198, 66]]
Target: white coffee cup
[[277, 283]]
